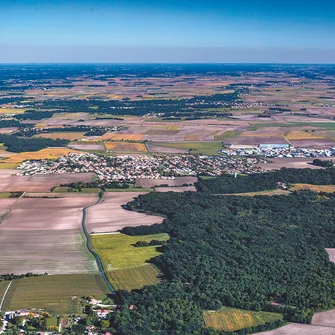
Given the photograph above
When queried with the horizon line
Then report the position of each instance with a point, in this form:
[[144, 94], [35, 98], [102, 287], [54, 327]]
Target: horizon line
[[162, 63]]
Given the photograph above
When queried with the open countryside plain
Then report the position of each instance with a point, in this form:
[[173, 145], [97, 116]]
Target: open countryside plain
[[145, 111]]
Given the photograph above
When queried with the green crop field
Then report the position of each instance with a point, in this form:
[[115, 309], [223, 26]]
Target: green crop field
[[5, 194], [206, 148], [3, 288], [57, 294], [134, 278], [232, 319], [117, 251], [227, 135], [126, 265]]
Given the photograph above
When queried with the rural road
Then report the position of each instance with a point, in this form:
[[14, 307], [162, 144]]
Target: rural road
[[89, 246], [4, 296]]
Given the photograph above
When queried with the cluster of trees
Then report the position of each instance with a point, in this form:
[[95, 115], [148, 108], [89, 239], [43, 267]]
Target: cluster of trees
[[36, 114], [95, 184], [19, 144], [89, 130], [266, 181], [325, 163], [11, 276], [9, 123], [244, 252]]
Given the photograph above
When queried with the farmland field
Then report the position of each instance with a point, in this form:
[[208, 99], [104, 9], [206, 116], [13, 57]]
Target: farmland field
[[302, 135], [62, 135], [37, 183], [231, 319], [126, 265], [125, 147], [57, 294], [209, 148], [48, 233], [300, 329], [121, 137], [48, 153], [118, 252], [134, 278], [87, 146], [109, 216], [12, 110], [315, 188]]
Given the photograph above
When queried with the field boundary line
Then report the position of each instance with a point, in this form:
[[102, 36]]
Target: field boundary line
[[288, 141], [89, 246], [4, 296]]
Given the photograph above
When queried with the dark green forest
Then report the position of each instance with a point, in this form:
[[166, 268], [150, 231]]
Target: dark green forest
[[245, 252], [266, 181], [18, 144]]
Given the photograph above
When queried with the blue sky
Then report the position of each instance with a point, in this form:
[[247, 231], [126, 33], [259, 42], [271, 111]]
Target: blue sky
[[167, 31]]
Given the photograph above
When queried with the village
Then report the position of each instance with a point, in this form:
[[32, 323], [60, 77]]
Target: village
[[92, 321], [129, 168]]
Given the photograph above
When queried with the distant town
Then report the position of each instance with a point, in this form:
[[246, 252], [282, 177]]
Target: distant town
[[128, 168]]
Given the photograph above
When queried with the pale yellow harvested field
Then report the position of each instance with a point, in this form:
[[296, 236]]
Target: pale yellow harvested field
[[300, 329], [44, 235], [48, 153], [125, 146], [302, 135], [315, 188], [109, 216], [12, 110], [121, 137], [192, 137]]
